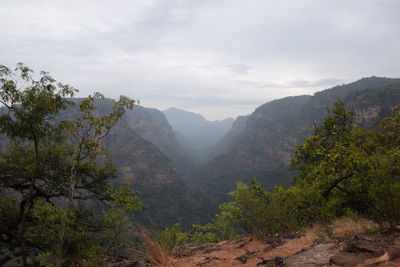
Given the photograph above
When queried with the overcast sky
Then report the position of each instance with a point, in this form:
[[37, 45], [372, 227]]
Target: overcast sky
[[219, 58]]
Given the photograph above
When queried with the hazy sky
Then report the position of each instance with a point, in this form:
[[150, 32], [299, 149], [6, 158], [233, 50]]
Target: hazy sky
[[219, 58]]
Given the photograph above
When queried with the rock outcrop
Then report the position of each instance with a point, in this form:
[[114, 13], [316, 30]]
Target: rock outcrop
[[293, 251]]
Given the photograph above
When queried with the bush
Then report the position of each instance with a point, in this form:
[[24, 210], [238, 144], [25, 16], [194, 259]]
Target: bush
[[171, 237]]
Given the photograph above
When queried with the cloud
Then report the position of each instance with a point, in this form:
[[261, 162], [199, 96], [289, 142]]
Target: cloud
[[327, 82], [239, 68], [186, 53]]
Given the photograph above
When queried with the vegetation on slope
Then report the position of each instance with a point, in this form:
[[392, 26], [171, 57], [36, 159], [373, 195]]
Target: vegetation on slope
[[343, 170], [264, 145]]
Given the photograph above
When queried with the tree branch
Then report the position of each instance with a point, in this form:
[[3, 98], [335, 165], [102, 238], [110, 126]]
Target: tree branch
[[326, 193]]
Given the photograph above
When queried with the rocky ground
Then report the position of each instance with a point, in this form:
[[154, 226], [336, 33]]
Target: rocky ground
[[297, 250], [294, 250]]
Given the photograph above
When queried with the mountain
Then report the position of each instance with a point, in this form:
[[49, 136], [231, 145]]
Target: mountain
[[152, 125], [142, 165], [261, 145], [196, 133]]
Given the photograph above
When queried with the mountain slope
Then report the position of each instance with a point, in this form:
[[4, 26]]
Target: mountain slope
[[151, 124], [264, 146], [230, 138], [149, 171]]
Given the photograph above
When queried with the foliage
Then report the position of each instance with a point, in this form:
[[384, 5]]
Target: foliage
[[171, 237], [355, 170], [124, 197], [55, 172], [385, 169], [218, 230]]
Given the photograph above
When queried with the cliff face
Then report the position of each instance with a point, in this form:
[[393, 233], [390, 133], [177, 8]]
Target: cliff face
[[263, 147], [371, 105]]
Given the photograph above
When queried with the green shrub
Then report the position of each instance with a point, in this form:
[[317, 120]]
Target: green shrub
[[171, 237]]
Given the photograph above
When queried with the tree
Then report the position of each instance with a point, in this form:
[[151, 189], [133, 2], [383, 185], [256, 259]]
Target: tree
[[332, 161], [51, 163], [355, 171], [385, 169]]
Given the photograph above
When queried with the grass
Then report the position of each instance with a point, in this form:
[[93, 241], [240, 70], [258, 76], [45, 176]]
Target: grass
[[152, 251], [344, 228]]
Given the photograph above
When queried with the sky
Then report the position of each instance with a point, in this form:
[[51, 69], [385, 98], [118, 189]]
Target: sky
[[219, 58]]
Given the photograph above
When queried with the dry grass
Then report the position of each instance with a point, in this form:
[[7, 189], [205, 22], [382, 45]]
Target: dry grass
[[152, 251], [344, 228], [320, 231]]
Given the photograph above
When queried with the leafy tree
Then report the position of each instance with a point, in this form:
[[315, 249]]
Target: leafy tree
[[53, 170], [385, 169], [355, 170], [332, 161]]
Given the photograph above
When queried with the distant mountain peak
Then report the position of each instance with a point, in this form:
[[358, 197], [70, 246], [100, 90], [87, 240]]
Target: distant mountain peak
[[182, 112]]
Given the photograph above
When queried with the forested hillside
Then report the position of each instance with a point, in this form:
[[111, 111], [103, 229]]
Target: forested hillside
[[263, 145]]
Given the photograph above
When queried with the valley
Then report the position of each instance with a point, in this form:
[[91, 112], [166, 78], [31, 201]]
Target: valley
[[156, 151]]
